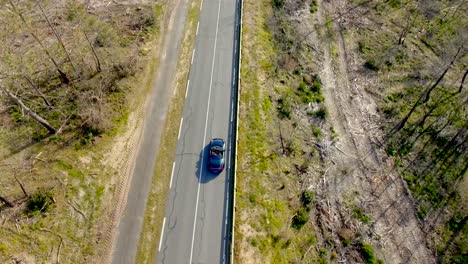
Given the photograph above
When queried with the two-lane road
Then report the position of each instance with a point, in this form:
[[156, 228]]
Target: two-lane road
[[196, 224]]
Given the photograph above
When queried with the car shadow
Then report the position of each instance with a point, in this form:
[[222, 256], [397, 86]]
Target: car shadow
[[205, 175]]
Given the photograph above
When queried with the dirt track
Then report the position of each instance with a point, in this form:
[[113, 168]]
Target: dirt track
[[357, 171]]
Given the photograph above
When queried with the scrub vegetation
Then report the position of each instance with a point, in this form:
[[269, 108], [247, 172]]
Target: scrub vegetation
[[72, 75], [362, 114]]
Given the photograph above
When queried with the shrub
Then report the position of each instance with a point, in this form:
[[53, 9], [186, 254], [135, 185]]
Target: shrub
[[323, 252], [312, 239], [313, 6], [322, 113], [367, 253], [254, 242], [316, 84], [394, 3], [363, 47], [278, 3], [253, 198], [3, 248], [371, 65], [284, 107], [300, 219], [307, 197], [309, 94], [317, 132], [359, 214], [39, 202]]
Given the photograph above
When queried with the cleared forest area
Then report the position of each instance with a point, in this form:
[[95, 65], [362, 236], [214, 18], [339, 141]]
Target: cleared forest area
[[353, 132], [73, 77]]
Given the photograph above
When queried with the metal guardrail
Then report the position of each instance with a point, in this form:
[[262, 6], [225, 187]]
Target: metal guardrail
[[238, 34]]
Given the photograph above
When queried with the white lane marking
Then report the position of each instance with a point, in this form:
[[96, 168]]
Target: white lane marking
[[198, 25], [186, 88], [193, 55], [172, 174], [201, 5], [162, 234], [180, 127], [204, 135]]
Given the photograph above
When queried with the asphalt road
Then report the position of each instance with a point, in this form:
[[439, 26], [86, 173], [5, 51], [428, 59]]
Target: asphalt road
[[128, 234], [196, 223]]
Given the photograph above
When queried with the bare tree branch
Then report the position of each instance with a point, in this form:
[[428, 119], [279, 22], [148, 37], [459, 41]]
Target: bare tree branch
[[22, 186]]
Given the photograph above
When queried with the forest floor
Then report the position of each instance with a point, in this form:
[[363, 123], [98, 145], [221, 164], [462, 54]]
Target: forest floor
[[357, 165], [88, 181], [359, 198]]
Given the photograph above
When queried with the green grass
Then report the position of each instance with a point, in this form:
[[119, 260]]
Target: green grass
[[270, 99]]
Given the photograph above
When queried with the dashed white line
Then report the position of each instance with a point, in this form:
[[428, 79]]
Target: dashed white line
[[204, 135], [201, 5], [162, 234], [186, 88], [180, 127], [198, 25], [172, 174], [193, 55]]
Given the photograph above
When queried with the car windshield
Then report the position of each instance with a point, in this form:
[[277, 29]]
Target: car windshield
[[216, 150]]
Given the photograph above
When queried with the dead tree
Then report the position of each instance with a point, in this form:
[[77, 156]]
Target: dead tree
[[462, 81], [96, 58], [30, 112], [281, 138], [62, 74], [57, 36], [426, 96], [404, 32]]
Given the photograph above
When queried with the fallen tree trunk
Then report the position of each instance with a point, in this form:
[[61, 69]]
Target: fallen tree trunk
[[7, 202], [31, 113]]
